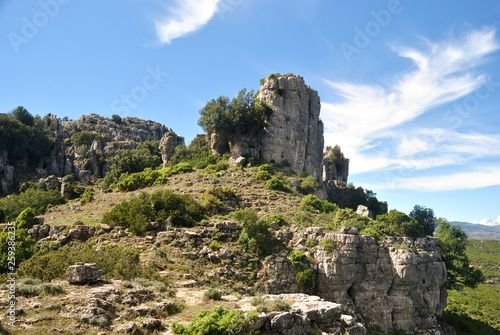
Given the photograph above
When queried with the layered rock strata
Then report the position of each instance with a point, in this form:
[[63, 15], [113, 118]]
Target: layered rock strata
[[399, 282]]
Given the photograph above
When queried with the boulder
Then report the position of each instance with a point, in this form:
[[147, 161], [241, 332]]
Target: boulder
[[364, 211], [81, 273]]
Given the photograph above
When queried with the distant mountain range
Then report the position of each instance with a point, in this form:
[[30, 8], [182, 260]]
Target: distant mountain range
[[479, 231]]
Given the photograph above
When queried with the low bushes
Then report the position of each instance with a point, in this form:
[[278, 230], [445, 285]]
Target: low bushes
[[213, 199], [149, 177], [218, 321], [118, 262], [135, 213], [255, 238], [311, 203], [212, 168]]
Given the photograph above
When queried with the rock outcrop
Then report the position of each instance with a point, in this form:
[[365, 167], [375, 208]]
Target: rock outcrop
[[168, 143], [83, 148], [293, 134], [399, 282]]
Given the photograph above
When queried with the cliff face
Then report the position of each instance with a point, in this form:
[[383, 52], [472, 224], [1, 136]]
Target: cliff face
[[86, 157], [294, 131], [393, 286]]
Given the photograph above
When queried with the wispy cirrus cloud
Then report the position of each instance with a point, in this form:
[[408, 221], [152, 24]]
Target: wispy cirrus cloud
[[368, 123], [468, 180], [186, 16]]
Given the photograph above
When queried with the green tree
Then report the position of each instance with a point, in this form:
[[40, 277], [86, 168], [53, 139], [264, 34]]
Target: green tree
[[21, 114], [398, 223], [453, 243], [425, 217], [22, 142], [243, 115], [132, 161]]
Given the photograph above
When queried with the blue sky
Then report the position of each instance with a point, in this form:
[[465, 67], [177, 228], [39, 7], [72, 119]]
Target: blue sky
[[410, 90]]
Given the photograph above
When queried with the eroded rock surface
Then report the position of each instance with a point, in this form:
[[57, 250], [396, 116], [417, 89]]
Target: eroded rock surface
[[399, 281]]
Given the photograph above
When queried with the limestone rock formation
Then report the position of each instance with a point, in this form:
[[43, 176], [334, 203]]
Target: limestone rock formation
[[294, 132], [335, 165], [82, 273], [364, 211], [400, 287], [167, 146], [82, 148]]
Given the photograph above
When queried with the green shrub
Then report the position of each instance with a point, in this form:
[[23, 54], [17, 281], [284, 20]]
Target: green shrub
[[52, 289], [262, 309], [158, 285], [214, 246], [308, 185], [212, 204], [258, 300], [279, 184], [245, 215], [279, 305], [119, 262], [29, 281], [219, 321], [276, 218], [212, 168], [99, 321], [24, 248], [244, 113], [265, 168], [306, 279], [157, 207], [212, 294], [134, 181], [298, 257], [160, 253], [213, 199], [310, 243], [26, 219], [146, 155], [87, 196], [401, 224], [311, 203], [37, 199], [255, 237], [263, 175], [27, 290], [328, 244]]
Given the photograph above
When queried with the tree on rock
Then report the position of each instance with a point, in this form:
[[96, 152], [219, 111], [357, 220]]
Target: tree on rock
[[21, 114], [243, 115], [453, 243], [425, 217]]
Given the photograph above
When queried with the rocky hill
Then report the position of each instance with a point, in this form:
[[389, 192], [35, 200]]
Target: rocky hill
[[241, 242], [82, 148]]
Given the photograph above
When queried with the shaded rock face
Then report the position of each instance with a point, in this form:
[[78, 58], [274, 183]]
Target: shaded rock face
[[394, 287], [294, 131], [168, 143]]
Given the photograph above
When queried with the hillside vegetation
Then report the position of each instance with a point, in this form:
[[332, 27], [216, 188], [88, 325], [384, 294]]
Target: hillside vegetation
[[477, 311]]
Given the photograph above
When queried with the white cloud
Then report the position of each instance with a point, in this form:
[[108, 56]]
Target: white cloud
[[488, 222], [366, 124], [478, 178], [187, 16]]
